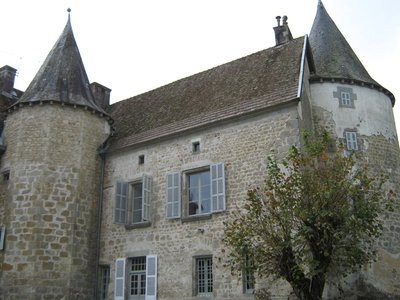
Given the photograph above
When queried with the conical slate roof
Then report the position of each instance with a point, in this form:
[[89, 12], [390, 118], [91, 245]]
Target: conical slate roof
[[62, 77], [333, 55]]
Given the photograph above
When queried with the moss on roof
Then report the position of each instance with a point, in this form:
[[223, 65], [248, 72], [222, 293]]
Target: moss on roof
[[262, 79]]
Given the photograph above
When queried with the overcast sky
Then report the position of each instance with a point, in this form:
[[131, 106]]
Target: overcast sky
[[133, 46]]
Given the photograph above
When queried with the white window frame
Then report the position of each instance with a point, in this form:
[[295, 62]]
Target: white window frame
[[177, 191], [200, 199], [345, 98], [204, 280], [124, 201], [121, 278], [138, 275], [351, 140]]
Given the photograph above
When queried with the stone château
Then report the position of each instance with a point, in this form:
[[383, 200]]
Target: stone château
[[127, 200]]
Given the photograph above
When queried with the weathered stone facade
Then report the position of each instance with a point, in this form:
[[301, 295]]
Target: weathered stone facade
[[243, 146], [372, 118], [50, 216], [64, 162]]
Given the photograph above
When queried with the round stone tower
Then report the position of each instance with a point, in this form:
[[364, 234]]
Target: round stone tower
[[50, 210], [357, 111]]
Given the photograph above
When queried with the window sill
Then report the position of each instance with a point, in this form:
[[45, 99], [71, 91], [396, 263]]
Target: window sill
[[138, 225], [196, 218]]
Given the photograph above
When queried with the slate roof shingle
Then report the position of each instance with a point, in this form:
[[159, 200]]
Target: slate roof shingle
[[257, 81], [62, 77]]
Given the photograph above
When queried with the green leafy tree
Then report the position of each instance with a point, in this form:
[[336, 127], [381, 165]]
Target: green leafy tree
[[318, 212]]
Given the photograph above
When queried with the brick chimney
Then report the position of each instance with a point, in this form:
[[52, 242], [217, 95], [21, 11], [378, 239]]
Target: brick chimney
[[101, 94], [282, 32]]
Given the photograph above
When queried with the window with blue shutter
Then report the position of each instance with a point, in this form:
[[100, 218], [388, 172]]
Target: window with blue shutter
[[218, 187], [151, 277], [119, 288], [121, 195], [146, 192], [204, 191], [173, 207]]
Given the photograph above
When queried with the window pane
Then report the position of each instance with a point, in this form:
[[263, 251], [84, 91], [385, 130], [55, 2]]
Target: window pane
[[205, 206], [204, 275], [137, 276], [199, 193], [137, 189]]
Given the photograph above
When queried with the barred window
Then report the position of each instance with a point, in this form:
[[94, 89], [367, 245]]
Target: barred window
[[204, 276]]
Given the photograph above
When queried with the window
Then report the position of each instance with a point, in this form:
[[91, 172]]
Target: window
[[141, 159], [345, 96], [140, 282], [204, 191], [137, 207], [204, 276], [199, 185], [137, 278], [2, 235], [104, 280], [132, 201], [196, 147], [351, 140], [248, 276]]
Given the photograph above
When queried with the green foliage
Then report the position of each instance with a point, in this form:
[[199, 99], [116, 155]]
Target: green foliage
[[317, 212]]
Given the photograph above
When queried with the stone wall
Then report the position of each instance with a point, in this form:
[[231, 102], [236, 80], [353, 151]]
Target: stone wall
[[243, 147], [372, 118], [51, 211]]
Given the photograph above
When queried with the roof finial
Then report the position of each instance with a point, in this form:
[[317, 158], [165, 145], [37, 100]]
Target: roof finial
[[69, 14]]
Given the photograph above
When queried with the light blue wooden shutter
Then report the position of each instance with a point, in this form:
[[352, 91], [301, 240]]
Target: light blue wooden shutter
[[2, 235], [121, 202], [217, 187], [119, 288], [173, 206], [151, 277], [146, 193]]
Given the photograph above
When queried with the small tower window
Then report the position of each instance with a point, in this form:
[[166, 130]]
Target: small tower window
[[351, 140], [196, 147], [141, 159], [345, 96]]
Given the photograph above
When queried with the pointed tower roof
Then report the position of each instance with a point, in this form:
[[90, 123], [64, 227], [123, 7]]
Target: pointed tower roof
[[334, 59], [333, 55], [62, 77]]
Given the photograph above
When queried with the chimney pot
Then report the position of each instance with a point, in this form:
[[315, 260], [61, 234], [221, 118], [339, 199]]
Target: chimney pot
[[278, 19], [101, 94], [282, 32]]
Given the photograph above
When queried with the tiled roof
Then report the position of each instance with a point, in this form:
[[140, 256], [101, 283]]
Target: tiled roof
[[62, 77], [263, 79]]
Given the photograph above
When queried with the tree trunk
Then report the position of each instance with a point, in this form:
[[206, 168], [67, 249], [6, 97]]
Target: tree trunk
[[307, 289]]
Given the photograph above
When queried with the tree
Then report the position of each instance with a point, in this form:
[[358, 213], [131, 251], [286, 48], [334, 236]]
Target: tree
[[318, 212]]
